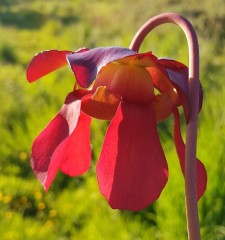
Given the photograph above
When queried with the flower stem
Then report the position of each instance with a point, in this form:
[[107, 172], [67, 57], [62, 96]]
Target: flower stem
[[191, 127]]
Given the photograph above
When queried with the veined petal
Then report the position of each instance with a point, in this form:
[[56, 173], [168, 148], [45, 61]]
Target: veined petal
[[73, 155], [50, 138], [132, 169], [201, 175], [101, 105], [86, 65], [46, 62]]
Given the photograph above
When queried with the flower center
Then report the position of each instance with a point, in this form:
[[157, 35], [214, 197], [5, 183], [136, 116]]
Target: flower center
[[131, 81]]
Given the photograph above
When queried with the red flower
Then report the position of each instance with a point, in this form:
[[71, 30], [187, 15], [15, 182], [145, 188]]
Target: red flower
[[134, 91]]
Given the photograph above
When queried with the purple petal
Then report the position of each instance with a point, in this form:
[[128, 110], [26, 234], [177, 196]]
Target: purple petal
[[177, 73], [86, 65]]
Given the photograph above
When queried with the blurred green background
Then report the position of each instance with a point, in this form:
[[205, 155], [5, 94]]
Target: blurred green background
[[73, 209]]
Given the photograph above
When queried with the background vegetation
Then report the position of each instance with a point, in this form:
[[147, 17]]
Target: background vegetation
[[73, 208]]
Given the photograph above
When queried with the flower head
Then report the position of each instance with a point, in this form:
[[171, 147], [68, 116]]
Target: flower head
[[134, 92]]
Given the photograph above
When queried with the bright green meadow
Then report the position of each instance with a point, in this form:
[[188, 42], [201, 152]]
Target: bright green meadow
[[73, 209]]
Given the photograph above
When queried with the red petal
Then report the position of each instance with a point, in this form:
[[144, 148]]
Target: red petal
[[132, 169], [87, 64], [46, 62], [55, 132], [73, 155], [201, 175]]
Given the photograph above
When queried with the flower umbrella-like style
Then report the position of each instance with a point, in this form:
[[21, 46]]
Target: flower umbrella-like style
[[133, 91]]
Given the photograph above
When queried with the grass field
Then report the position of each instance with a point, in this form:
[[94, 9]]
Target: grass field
[[73, 209]]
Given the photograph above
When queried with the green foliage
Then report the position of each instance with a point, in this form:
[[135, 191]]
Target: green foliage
[[74, 208]]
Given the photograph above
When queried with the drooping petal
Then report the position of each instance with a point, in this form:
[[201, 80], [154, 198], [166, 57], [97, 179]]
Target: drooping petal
[[132, 169], [178, 75], [50, 138], [201, 175], [101, 105], [86, 65], [73, 155], [177, 72], [46, 62]]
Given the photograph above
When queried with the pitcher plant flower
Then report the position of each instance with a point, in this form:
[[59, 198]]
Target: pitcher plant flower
[[134, 91]]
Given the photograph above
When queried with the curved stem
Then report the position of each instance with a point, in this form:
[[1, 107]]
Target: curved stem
[[191, 127]]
